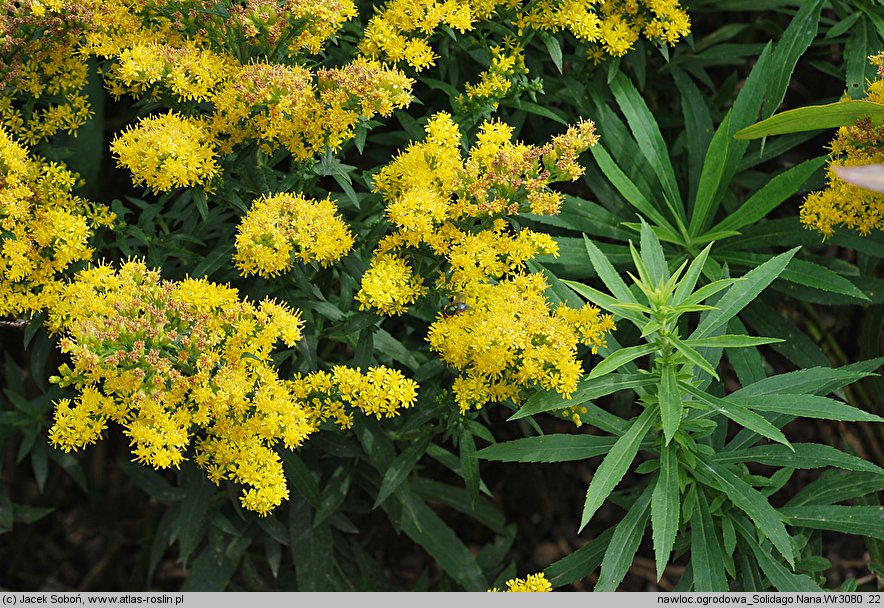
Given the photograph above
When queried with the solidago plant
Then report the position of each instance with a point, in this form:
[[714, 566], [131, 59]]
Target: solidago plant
[[693, 486]]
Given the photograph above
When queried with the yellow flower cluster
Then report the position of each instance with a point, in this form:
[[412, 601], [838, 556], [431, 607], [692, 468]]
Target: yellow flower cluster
[[233, 68], [399, 32], [299, 24], [44, 228], [533, 583], [842, 203], [389, 285], [42, 78], [160, 70], [612, 27], [281, 228], [506, 340], [168, 151], [187, 366], [430, 188], [277, 106], [503, 337], [380, 392], [506, 70]]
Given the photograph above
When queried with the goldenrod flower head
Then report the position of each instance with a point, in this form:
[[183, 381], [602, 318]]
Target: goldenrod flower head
[[842, 203], [289, 106], [173, 361], [379, 392], [301, 24], [44, 228], [400, 30], [281, 228], [168, 151], [533, 583], [397, 31], [508, 339], [158, 70], [389, 286]]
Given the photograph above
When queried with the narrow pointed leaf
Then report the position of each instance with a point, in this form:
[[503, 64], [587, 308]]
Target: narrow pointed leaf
[[706, 551], [812, 118], [607, 273], [670, 402], [650, 142], [606, 302], [689, 281], [801, 456], [740, 294], [624, 544], [752, 503], [665, 506], [738, 414], [769, 196], [860, 520], [808, 406], [777, 574], [619, 358], [710, 178], [587, 390], [693, 356], [652, 256], [616, 463], [548, 448], [730, 341]]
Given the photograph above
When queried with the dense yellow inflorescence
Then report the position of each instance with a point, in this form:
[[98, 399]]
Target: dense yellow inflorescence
[[504, 339], [168, 151], [843, 204], [282, 228], [533, 583], [44, 229], [400, 30], [233, 74], [187, 366]]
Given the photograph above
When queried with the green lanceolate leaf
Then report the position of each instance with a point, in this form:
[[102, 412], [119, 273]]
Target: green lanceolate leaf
[[581, 562], [814, 380], [670, 402], [548, 448], [710, 178], [652, 256], [751, 502], [693, 356], [616, 463], [777, 574], [730, 341], [707, 556], [801, 456], [624, 544], [737, 413], [630, 191], [619, 358], [837, 486], [665, 506], [689, 281], [587, 389], [808, 406], [740, 294], [647, 134], [399, 470], [769, 197], [607, 273], [425, 528], [812, 118], [860, 520]]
